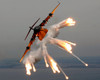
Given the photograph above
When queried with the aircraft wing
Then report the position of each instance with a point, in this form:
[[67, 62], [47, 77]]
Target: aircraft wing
[[29, 45], [48, 17]]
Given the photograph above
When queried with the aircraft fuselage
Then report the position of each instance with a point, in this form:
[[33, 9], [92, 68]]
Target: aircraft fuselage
[[37, 29]]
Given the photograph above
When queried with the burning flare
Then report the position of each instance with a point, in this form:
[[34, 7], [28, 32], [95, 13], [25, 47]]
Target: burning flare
[[47, 65], [66, 45], [34, 69], [28, 68], [70, 22], [86, 64], [53, 64]]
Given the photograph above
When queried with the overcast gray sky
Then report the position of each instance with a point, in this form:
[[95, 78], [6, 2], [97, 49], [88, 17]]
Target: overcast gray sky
[[17, 15]]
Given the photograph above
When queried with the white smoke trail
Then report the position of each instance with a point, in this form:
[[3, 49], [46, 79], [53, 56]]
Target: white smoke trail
[[79, 59], [33, 57]]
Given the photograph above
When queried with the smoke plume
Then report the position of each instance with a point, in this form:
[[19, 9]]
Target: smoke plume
[[41, 52]]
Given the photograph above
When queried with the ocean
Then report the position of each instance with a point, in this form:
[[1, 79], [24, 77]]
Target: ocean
[[13, 70], [46, 74]]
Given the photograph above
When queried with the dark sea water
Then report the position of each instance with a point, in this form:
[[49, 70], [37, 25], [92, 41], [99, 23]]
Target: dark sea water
[[13, 70], [46, 74]]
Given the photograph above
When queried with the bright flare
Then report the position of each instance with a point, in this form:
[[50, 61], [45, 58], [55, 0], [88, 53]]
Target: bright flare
[[68, 47], [28, 68], [34, 69], [53, 65], [74, 44], [70, 22], [47, 65], [86, 64], [65, 45], [67, 77]]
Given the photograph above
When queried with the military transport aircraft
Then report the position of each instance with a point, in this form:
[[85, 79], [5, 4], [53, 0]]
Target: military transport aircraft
[[39, 31]]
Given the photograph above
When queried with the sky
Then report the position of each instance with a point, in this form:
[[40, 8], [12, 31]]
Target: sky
[[17, 15]]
